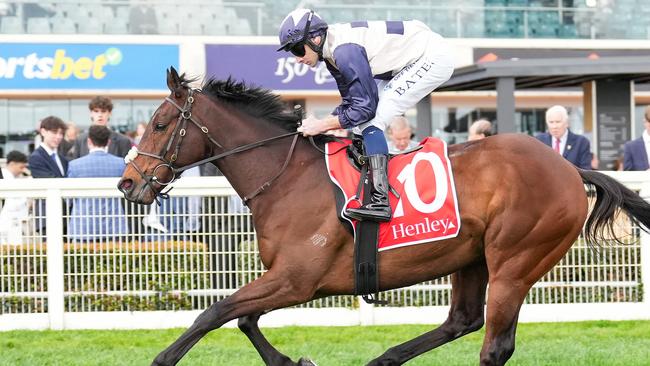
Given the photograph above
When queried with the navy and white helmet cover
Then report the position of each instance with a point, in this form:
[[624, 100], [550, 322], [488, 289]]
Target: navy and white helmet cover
[[293, 26]]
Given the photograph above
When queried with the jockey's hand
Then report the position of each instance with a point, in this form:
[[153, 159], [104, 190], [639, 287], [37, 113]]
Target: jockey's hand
[[311, 126]]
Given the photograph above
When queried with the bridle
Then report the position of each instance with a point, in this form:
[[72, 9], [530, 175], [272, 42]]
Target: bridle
[[181, 129]]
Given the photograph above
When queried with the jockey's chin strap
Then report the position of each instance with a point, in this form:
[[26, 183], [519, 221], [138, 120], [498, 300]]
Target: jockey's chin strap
[[186, 115]]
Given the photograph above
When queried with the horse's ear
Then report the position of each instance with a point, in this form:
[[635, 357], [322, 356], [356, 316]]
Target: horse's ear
[[173, 80]]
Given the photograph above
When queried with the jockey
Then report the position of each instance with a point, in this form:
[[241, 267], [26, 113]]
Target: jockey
[[407, 57]]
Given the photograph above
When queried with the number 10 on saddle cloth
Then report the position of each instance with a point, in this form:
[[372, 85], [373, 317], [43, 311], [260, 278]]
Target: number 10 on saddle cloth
[[427, 207]]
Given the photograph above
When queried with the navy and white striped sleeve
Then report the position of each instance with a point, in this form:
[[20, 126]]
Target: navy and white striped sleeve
[[356, 85]]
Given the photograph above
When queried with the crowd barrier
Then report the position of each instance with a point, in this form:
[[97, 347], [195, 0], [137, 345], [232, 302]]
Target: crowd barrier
[[143, 268]]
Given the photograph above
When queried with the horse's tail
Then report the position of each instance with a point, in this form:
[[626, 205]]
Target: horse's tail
[[610, 197]]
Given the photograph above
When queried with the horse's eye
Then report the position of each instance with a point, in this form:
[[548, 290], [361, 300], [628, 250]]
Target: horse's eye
[[159, 126]]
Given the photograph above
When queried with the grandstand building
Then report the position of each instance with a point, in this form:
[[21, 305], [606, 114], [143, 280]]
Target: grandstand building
[[56, 55]]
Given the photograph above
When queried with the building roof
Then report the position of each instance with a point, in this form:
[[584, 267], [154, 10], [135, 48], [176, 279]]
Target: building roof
[[548, 72]]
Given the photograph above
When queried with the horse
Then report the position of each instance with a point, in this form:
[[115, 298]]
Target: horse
[[521, 204]]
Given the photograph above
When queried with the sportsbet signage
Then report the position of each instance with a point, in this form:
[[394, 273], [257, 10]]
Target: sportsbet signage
[[85, 66]]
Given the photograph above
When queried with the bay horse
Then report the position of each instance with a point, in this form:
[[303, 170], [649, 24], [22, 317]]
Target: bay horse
[[521, 204]]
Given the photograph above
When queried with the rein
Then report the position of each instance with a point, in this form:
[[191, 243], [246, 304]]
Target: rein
[[186, 115]]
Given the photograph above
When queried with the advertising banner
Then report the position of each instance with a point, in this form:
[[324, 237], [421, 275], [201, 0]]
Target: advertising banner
[[85, 66], [261, 65]]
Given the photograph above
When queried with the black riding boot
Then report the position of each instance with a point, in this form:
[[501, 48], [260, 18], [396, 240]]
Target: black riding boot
[[378, 209]]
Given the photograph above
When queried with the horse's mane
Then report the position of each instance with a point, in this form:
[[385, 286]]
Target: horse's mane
[[256, 101]]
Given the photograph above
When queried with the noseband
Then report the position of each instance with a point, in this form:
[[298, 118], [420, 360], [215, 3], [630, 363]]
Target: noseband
[[180, 129]]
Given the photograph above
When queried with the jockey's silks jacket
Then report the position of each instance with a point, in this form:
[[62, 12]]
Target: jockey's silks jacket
[[358, 52]]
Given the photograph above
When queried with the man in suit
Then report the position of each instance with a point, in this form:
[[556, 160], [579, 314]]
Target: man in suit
[[46, 162], [100, 113], [574, 148], [96, 218], [635, 152]]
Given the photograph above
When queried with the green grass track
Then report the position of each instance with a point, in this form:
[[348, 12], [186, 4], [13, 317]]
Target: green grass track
[[586, 343]]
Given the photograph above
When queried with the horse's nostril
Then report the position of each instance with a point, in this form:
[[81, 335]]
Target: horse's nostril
[[125, 185]]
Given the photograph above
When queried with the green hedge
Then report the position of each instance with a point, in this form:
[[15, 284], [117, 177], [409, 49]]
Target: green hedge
[[106, 267]]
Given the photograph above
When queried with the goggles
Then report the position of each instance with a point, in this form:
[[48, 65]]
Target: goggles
[[298, 49]]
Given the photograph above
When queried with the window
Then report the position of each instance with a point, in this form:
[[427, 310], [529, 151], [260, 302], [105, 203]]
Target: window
[[19, 118]]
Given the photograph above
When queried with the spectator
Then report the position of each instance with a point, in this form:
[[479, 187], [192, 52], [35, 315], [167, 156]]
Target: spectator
[[399, 135], [94, 218], [15, 212], [131, 135], [139, 132], [142, 19], [45, 162], [574, 148], [100, 113], [480, 129], [16, 165], [67, 145], [635, 152]]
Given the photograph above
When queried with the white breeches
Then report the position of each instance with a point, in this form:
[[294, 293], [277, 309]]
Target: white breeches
[[414, 82]]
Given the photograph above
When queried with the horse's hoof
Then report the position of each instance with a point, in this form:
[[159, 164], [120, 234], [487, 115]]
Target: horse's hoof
[[305, 362]]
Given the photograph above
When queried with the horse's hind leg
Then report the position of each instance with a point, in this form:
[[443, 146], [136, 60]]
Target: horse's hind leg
[[504, 301], [465, 316], [271, 291], [271, 356], [510, 281]]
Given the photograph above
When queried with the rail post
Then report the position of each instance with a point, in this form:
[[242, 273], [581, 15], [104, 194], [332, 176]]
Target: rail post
[[54, 250]]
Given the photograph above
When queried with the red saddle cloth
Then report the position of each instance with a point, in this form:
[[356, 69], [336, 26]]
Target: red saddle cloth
[[427, 209]]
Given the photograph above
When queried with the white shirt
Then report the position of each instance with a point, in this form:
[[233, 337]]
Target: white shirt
[[387, 51], [101, 149], [58, 159], [14, 212], [394, 150], [646, 141]]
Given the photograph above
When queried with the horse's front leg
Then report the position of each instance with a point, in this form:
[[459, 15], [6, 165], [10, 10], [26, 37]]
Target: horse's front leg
[[271, 356], [271, 291]]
